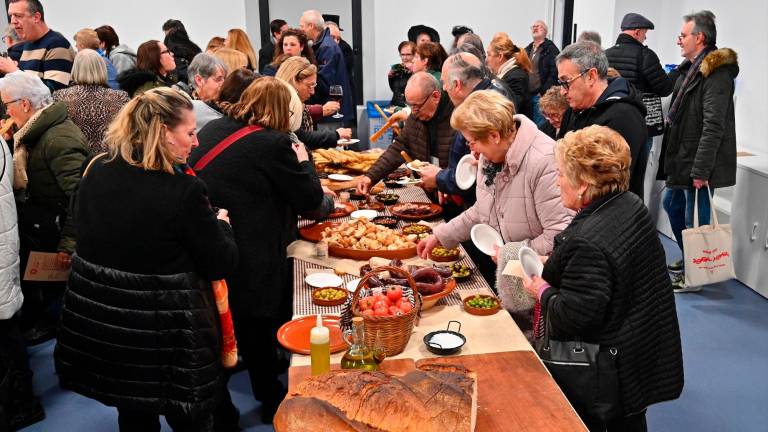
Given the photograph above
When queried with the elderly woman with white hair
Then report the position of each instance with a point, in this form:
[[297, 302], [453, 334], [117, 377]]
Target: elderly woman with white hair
[[91, 104], [206, 76], [49, 150]]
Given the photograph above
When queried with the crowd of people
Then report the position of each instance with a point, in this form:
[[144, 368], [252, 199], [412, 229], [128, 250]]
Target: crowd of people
[[152, 174]]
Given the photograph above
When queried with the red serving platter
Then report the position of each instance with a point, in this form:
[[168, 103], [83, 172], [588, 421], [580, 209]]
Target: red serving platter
[[294, 335]]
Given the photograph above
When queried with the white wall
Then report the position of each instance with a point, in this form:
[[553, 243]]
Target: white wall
[[595, 15], [391, 20], [137, 21]]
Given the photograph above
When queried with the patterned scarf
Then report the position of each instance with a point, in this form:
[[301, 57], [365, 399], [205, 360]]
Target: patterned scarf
[[672, 113], [490, 170], [307, 125]]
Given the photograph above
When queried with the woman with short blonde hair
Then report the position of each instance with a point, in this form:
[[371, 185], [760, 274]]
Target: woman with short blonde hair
[[552, 106], [517, 193], [238, 39], [265, 180], [606, 284], [91, 104], [232, 58]]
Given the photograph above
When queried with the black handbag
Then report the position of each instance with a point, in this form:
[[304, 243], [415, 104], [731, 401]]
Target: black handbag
[[586, 374]]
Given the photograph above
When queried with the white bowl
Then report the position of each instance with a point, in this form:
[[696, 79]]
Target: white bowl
[[466, 172], [340, 177], [352, 285], [322, 280], [366, 213], [485, 237], [345, 142], [530, 261]]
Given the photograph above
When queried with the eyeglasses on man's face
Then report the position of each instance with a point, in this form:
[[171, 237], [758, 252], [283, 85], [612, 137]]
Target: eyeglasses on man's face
[[417, 107], [566, 84], [682, 36]]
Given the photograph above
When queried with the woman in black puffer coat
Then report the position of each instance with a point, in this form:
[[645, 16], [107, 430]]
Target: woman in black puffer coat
[[606, 283], [140, 328]]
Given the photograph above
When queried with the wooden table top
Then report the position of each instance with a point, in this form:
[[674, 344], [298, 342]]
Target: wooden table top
[[515, 391]]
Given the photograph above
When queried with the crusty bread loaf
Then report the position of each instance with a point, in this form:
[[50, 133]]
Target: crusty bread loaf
[[434, 398]]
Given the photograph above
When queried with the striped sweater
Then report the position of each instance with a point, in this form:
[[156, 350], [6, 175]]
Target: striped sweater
[[50, 58]]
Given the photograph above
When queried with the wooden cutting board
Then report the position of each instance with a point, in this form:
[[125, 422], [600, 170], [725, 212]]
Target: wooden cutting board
[[514, 391]]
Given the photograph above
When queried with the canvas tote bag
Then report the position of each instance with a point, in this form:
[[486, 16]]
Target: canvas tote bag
[[708, 250]]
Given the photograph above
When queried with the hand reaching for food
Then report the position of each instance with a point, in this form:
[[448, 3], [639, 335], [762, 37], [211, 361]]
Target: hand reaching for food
[[424, 247]]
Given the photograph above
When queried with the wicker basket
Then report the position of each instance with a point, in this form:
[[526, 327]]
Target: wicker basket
[[391, 333]]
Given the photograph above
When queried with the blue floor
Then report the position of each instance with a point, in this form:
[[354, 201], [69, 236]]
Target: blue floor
[[725, 346]]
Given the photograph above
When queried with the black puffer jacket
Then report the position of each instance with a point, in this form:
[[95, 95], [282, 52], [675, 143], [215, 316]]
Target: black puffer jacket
[[620, 108], [610, 286], [701, 141], [639, 65], [546, 65], [139, 328], [517, 80]]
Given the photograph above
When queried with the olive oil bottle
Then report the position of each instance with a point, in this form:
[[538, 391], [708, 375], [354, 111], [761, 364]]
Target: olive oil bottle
[[360, 356]]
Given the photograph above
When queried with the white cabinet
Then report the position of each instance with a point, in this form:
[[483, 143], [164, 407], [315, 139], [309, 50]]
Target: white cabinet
[[749, 223]]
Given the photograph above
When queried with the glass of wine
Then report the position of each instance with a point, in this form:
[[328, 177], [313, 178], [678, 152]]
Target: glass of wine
[[335, 93]]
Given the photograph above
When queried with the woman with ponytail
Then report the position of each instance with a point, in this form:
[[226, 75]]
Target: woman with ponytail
[[140, 327]]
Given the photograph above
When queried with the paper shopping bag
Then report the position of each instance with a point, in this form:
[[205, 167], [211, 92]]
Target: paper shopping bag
[[708, 251]]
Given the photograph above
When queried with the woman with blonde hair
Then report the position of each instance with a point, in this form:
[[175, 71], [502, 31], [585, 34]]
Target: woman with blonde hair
[[91, 104], [215, 43], [606, 285], [517, 193], [552, 105], [238, 39], [152, 293], [511, 64], [232, 58], [265, 180], [302, 76]]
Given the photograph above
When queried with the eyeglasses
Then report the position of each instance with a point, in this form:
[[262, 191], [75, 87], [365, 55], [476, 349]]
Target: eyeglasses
[[417, 107], [312, 85], [10, 102], [552, 116], [405, 55], [567, 83], [166, 51]]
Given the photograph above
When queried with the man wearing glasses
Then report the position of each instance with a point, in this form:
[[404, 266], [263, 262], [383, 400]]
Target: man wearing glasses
[[427, 134], [46, 53], [595, 99], [699, 145]]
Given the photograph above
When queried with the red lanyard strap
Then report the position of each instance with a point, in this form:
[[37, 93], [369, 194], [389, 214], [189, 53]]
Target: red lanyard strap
[[220, 147]]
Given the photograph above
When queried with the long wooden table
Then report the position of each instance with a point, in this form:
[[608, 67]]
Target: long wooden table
[[515, 391]]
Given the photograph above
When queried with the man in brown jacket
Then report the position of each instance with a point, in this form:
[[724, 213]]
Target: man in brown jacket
[[427, 134]]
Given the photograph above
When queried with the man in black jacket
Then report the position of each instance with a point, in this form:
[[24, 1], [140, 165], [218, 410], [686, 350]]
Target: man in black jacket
[[640, 66], [542, 53], [699, 145], [267, 51], [595, 99]]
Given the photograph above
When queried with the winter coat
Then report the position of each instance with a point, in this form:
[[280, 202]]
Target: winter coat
[[701, 141], [92, 108], [204, 113], [135, 81], [332, 70], [620, 108], [420, 139], [57, 149], [266, 53], [10, 284], [546, 65], [516, 80], [139, 327], [262, 184], [523, 203], [123, 58], [609, 285], [639, 65]]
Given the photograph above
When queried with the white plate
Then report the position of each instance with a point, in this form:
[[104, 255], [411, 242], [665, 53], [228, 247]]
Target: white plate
[[352, 285], [466, 172], [530, 261], [367, 213], [344, 142], [413, 168], [322, 280], [484, 237], [340, 177], [408, 181]]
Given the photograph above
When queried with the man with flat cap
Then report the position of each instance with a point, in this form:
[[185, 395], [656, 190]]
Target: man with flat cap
[[639, 65]]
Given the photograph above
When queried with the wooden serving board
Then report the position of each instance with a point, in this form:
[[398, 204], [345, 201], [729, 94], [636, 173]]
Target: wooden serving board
[[514, 391]]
